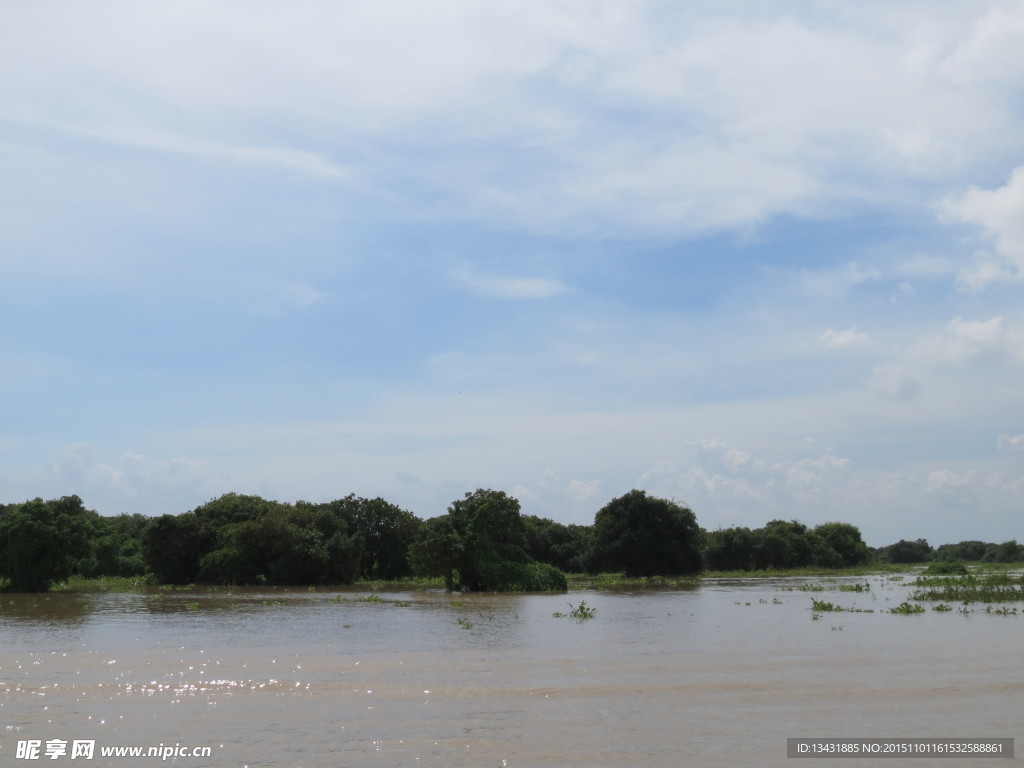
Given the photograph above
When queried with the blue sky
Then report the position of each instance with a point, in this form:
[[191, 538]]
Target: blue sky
[[765, 259]]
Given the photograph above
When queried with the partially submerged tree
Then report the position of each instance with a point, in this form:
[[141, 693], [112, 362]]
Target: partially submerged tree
[[645, 536], [42, 542], [479, 546]]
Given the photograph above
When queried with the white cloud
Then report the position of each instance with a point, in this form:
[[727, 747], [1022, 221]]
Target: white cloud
[[506, 286], [999, 213], [1013, 444], [835, 282], [851, 338], [988, 343], [130, 484], [605, 115]]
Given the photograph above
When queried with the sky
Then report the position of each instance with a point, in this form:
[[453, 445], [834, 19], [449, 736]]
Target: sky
[[765, 259]]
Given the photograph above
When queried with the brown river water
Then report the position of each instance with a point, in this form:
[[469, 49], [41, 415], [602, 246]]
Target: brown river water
[[716, 675]]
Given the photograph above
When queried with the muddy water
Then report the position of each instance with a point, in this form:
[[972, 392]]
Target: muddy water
[[718, 675]]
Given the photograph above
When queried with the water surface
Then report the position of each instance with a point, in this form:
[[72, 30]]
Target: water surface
[[716, 675]]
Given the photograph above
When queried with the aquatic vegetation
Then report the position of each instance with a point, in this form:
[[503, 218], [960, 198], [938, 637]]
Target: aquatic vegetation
[[942, 607], [858, 587], [992, 587], [947, 568], [192, 606], [582, 611], [579, 612], [825, 607], [464, 623], [907, 608], [369, 599], [101, 584]]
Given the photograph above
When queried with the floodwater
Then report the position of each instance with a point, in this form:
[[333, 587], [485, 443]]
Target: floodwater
[[716, 675]]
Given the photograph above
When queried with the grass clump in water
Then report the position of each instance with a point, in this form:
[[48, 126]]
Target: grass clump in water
[[991, 587], [947, 568], [906, 609], [822, 606], [580, 612]]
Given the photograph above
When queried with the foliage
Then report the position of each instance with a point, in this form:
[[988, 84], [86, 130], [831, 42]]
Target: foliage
[[980, 551], [238, 539], [383, 534], [286, 545], [41, 542], [115, 548], [784, 545], [563, 546], [845, 540], [478, 546], [1007, 552], [997, 587], [907, 608], [645, 536], [903, 551], [730, 549], [947, 568]]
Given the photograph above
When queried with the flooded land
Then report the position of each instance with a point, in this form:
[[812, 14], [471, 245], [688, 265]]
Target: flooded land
[[716, 674]]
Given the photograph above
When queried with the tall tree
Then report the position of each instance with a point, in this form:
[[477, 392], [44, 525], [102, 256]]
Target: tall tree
[[478, 546], [645, 536], [41, 542]]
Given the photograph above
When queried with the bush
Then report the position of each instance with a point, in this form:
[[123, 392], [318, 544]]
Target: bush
[[947, 568]]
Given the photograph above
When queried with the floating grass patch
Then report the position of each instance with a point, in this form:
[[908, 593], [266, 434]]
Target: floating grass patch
[[464, 623], [102, 584], [992, 587], [821, 606], [947, 568], [942, 607], [858, 587], [906, 608], [579, 612], [369, 599], [192, 606], [1004, 611]]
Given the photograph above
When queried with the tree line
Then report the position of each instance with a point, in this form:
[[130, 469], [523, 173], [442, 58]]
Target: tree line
[[482, 542]]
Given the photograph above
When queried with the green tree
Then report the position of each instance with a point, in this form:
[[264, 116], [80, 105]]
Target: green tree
[[286, 545], [116, 547], [41, 542], [845, 540], [551, 542], [730, 549], [1007, 552], [903, 551], [645, 536], [478, 546], [173, 545], [384, 533]]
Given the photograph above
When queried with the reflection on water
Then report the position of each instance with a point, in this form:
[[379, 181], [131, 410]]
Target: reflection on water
[[716, 675]]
